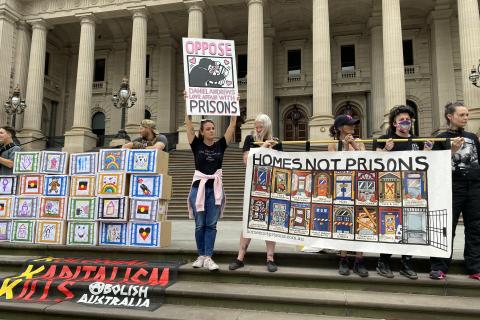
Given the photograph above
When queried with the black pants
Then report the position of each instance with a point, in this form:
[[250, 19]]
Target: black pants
[[385, 257], [465, 200]]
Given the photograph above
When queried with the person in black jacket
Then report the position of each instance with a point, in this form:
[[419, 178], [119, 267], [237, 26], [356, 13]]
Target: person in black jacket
[[465, 148]]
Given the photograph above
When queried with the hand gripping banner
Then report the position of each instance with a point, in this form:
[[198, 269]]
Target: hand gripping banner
[[382, 202]]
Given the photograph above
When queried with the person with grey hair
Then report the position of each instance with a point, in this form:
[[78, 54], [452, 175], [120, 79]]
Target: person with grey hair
[[149, 138], [262, 133]]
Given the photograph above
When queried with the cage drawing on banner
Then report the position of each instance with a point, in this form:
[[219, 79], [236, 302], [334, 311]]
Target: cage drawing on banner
[[281, 184], [8, 185], [54, 162], [6, 207], [299, 218], [344, 187], [112, 160], [389, 186], [279, 215], [83, 163], [415, 225], [5, 230], [301, 186], [343, 222], [322, 187], [258, 217], [26, 162], [414, 189], [321, 225], [367, 194], [55, 186], [261, 181], [82, 233], [437, 229]]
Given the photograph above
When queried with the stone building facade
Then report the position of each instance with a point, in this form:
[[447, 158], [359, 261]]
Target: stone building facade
[[300, 61]]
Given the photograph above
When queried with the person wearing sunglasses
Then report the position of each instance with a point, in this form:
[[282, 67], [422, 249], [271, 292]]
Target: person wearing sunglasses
[[206, 199], [263, 133]]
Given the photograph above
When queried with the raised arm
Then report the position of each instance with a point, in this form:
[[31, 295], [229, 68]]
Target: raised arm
[[190, 130], [230, 133]]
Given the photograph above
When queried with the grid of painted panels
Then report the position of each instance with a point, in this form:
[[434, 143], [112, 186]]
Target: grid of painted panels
[[374, 206]]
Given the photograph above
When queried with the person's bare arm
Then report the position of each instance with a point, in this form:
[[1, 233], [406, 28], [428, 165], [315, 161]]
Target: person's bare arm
[[6, 162], [128, 145], [190, 130], [230, 133]]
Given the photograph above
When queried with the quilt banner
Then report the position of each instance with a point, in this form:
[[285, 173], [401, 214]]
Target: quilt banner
[[381, 202], [210, 77]]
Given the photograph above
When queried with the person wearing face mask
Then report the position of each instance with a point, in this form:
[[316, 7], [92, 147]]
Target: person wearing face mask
[[262, 133], [465, 149], [206, 199], [400, 126], [7, 149], [342, 130]]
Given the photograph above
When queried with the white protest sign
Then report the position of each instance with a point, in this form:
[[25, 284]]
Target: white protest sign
[[210, 73], [382, 202]]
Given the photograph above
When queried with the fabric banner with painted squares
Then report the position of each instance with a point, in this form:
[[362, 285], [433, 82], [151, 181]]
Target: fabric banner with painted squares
[[395, 202], [23, 231], [113, 233], [55, 186], [146, 186], [82, 209], [8, 185], [50, 232], [142, 161], [25, 207], [52, 208], [112, 160], [83, 163], [143, 234], [54, 162], [144, 209], [111, 184], [82, 233], [26, 162], [6, 204], [82, 186], [31, 184], [112, 208]]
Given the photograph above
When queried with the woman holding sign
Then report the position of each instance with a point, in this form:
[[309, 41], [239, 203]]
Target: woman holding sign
[[400, 122], [465, 149], [263, 133], [206, 199], [342, 130]]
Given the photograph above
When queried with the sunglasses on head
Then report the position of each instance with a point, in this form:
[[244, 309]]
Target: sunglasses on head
[[206, 120]]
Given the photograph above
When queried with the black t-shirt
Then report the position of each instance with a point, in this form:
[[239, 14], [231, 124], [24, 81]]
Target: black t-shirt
[[398, 146], [249, 143], [465, 163], [208, 159]]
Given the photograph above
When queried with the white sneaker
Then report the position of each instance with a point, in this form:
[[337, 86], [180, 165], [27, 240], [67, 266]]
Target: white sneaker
[[209, 264], [199, 262]]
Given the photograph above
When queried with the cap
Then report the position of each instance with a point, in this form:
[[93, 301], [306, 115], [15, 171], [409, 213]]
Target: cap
[[345, 119], [147, 123]]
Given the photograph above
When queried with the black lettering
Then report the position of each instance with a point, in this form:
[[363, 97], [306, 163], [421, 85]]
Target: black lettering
[[404, 165], [335, 163], [226, 107], [201, 106], [351, 164], [287, 163], [220, 107], [297, 164], [323, 161], [391, 165], [264, 162], [211, 107], [361, 164], [422, 162], [309, 165], [379, 162], [234, 107], [277, 162], [193, 105]]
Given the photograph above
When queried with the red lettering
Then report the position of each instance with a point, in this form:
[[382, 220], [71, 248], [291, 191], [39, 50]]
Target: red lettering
[[45, 291], [78, 269], [165, 277], [65, 273], [113, 275], [127, 276], [140, 273], [28, 297], [50, 274], [26, 285], [62, 287], [100, 276], [88, 270]]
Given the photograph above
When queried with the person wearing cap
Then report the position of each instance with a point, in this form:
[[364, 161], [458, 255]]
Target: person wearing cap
[[7, 149], [149, 138], [400, 122], [342, 130]]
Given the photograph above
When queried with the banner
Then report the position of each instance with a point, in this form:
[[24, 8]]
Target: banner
[[129, 283], [210, 72], [382, 202]]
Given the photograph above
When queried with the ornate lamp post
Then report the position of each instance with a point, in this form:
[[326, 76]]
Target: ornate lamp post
[[15, 105], [123, 99], [475, 75]]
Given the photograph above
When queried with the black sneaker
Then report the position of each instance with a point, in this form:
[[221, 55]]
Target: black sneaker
[[359, 268], [343, 268], [236, 264], [407, 269], [271, 266], [383, 269]]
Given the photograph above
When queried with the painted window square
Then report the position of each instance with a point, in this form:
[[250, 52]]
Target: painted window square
[[8, 185], [111, 208], [144, 209], [52, 208], [55, 186], [112, 160], [143, 234], [31, 184], [82, 186], [53, 162], [113, 233], [23, 231], [82, 209], [141, 161], [5, 230], [6, 207], [26, 162], [25, 207], [146, 186], [50, 232], [82, 233], [111, 184], [83, 163]]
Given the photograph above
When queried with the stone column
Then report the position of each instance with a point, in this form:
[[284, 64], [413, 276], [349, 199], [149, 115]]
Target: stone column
[[376, 63], [34, 96], [322, 117], [80, 138], [268, 107], [195, 30], [393, 69], [256, 65], [443, 75], [469, 29], [137, 79], [7, 28], [22, 54], [166, 85]]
